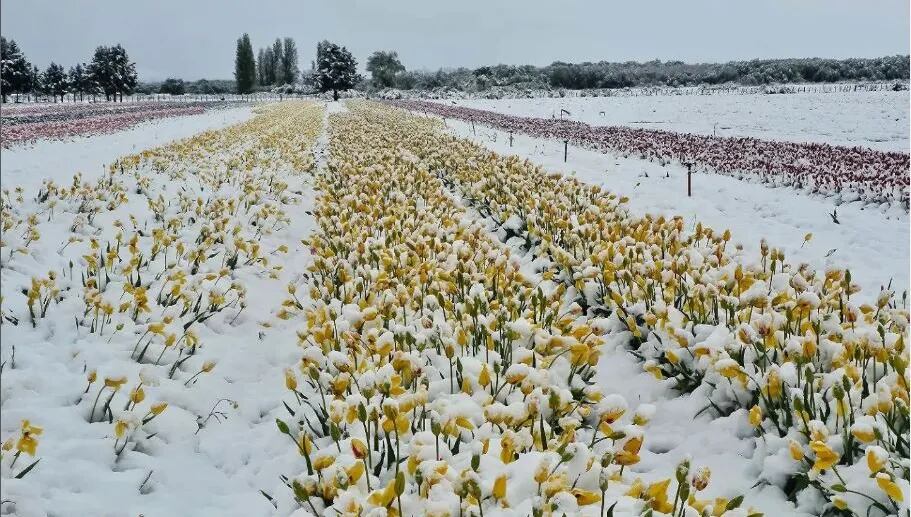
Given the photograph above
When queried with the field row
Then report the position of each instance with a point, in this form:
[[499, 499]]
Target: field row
[[26, 124], [437, 378], [825, 379], [850, 173], [127, 297]]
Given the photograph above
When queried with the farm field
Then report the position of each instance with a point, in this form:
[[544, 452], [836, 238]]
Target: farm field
[[878, 120], [752, 211], [845, 174], [28, 165], [310, 308], [22, 124]]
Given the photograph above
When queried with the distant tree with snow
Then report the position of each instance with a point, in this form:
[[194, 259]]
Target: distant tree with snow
[[78, 81], [244, 65], [172, 86], [383, 67], [125, 77], [15, 70], [261, 67], [288, 61], [336, 68], [113, 72], [34, 84], [276, 62], [55, 82], [267, 64]]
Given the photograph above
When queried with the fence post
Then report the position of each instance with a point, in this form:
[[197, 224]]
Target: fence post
[[510, 139], [565, 150], [689, 180]]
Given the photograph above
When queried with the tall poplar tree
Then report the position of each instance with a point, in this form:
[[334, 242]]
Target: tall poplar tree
[[244, 65]]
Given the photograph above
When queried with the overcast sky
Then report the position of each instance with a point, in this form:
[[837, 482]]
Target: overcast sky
[[193, 39]]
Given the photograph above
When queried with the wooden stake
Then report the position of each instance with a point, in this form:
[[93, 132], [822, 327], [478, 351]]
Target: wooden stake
[[689, 180]]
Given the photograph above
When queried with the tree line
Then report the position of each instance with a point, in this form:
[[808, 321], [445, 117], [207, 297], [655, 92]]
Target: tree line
[[273, 66], [110, 73], [333, 70], [387, 71], [653, 73], [175, 86]]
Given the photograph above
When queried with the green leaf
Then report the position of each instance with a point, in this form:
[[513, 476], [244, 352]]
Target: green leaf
[[610, 511], [400, 483], [735, 502], [299, 492], [28, 469]]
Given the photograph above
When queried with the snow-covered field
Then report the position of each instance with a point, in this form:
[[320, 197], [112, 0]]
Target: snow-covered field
[[878, 120], [214, 446], [871, 241], [27, 166], [308, 288]]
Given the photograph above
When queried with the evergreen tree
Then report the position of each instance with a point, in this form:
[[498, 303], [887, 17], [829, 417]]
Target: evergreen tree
[[268, 67], [54, 79], [77, 79], [101, 71], [35, 84], [261, 67], [244, 65], [173, 86], [276, 61], [112, 72], [125, 78], [288, 62], [336, 68], [383, 67], [15, 70]]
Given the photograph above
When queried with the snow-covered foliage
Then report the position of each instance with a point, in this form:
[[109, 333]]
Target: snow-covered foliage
[[439, 331], [873, 176], [124, 295], [31, 122]]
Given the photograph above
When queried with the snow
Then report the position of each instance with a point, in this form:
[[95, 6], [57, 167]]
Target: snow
[[723, 444], [872, 119], [216, 471], [336, 107], [27, 166], [872, 242], [220, 469]]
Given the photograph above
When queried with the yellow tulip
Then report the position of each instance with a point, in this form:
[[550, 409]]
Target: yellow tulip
[[796, 451], [825, 456], [888, 486], [586, 497], [755, 416], [499, 487]]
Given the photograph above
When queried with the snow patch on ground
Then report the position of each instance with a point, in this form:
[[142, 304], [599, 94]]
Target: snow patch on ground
[[336, 107]]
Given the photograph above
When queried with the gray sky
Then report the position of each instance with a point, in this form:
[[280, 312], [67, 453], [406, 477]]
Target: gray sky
[[193, 39]]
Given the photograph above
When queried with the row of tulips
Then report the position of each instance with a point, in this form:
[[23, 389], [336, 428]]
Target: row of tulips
[[823, 374], [436, 378], [26, 113], [157, 249], [71, 120], [870, 175]]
